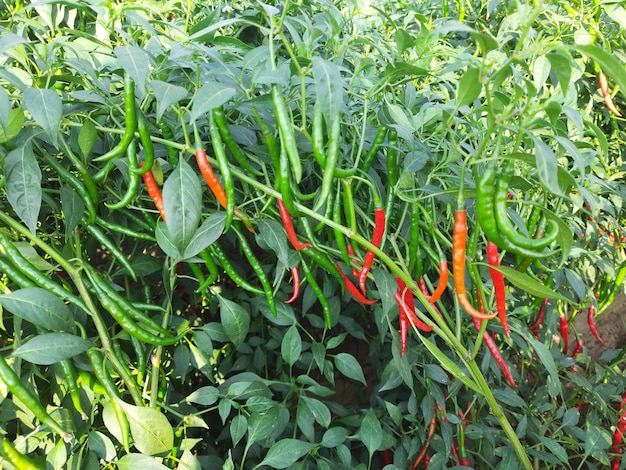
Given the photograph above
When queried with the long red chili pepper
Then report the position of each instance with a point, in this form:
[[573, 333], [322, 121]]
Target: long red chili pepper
[[591, 313], [295, 274], [459, 243], [443, 282], [405, 298], [288, 223], [386, 458], [497, 278], [431, 432], [355, 271], [564, 327], [209, 176], [606, 94], [495, 352], [618, 435], [377, 238], [153, 191], [540, 314], [354, 289]]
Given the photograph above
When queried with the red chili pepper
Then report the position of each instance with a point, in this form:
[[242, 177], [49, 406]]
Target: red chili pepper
[[495, 352], [209, 176], [295, 274], [606, 94], [404, 324], [497, 278], [431, 432], [455, 453], [564, 327], [459, 243], [540, 314], [386, 458], [355, 271], [405, 300], [377, 238], [153, 191], [591, 313], [288, 223], [578, 349], [618, 436], [443, 282], [353, 289]]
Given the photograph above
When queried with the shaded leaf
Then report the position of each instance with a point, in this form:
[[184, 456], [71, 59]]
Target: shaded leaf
[[291, 346], [14, 125], [135, 461], [39, 307], [285, 453], [135, 62], [235, 320], [73, 208], [469, 87], [206, 234], [272, 234], [23, 184], [165, 242], [238, 428], [261, 425], [350, 367], [50, 348], [46, 108], [554, 384], [528, 284], [204, 396], [211, 95], [328, 89], [166, 94], [371, 432]]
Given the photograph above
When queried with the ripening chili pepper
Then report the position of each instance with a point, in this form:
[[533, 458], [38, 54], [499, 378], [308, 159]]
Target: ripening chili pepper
[[459, 243], [540, 315], [130, 120], [153, 191], [443, 282], [354, 261], [495, 352], [403, 320], [295, 275], [15, 385], [209, 176], [377, 238], [564, 327], [289, 228], [591, 312], [606, 94], [431, 432], [404, 297], [353, 289], [577, 350], [497, 278]]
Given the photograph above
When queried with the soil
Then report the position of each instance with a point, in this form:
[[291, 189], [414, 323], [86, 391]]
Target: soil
[[611, 326]]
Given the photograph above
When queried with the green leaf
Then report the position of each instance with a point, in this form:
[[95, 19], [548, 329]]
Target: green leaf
[[328, 89], [319, 354], [448, 364], [13, 126], [87, 137], [206, 234], [291, 346], [528, 284], [166, 95], [205, 396], [135, 62], [261, 425], [238, 428], [547, 166], [39, 307], [165, 242], [5, 108], [562, 68], [285, 453], [272, 234], [23, 184], [609, 64], [469, 87], [596, 439], [135, 461], [319, 410], [334, 436], [151, 431], [571, 417], [350, 367], [554, 384], [235, 320], [212, 94], [182, 198], [46, 108], [101, 445], [50, 348], [371, 432], [73, 208]]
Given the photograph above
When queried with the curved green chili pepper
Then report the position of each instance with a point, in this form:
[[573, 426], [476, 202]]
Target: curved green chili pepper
[[272, 148], [331, 163], [130, 113], [172, 153], [85, 174], [10, 454], [146, 143], [393, 171], [217, 251], [501, 191], [233, 147], [133, 180], [287, 136], [257, 268], [224, 166], [123, 230], [415, 257], [285, 184], [319, 293], [105, 241], [339, 237], [71, 377], [368, 160]]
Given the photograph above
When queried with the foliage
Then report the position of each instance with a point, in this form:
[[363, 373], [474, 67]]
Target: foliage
[[164, 340]]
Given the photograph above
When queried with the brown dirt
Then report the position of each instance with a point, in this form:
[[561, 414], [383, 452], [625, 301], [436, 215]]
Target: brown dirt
[[611, 326]]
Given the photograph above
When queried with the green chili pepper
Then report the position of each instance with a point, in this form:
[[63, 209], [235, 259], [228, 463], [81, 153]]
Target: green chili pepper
[[15, 385], [217, 251], [285, 185], [339, 237], [233, 147], [272, 147], [334, 142], [257, 268], [74, 182], [172, 153], [224, 166], [105, 241], [9, 453], [133, 179], [331, 163], [373, 150], [504, 223], [104, 378], [71, 378], [84, 173], [324, 263], [393, 171], [140, 355], [287, 136], [211, 267], [15, 274], [28, 269], [415, 257], [319, 293], [148, 147], [130, 113], [123, 230]]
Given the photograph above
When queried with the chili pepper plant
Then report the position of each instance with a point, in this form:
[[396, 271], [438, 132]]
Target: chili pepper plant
[[310, 234]]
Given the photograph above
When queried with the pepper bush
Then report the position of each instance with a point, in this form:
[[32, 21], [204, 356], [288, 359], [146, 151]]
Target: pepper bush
[[156, 318]]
